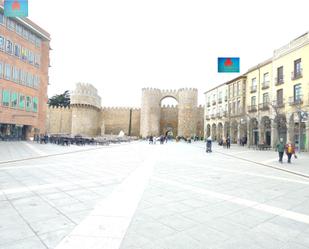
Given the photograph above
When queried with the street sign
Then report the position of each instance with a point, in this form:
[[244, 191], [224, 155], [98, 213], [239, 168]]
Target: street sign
[[16, 8], [228, 65]]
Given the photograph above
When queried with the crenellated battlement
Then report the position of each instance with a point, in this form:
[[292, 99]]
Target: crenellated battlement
[[119, 108], [188, 89], [59, 107], [87, 94]]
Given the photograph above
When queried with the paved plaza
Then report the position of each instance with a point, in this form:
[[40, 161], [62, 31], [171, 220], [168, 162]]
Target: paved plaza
[[141, 196]]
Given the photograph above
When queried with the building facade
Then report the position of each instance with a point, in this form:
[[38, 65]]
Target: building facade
[[272, 101], [24, 63], [85, 116]]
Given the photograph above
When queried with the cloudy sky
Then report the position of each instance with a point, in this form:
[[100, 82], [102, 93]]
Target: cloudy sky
[[121, 46]]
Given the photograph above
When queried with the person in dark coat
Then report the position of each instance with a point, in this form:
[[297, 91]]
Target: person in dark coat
[[228, 143], [280, 149]]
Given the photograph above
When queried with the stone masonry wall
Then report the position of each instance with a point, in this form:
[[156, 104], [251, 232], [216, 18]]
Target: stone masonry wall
[[169, 119], [58, 120], [117, 119]]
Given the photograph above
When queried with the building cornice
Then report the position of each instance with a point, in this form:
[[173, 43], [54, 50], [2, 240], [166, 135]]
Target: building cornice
[[31, 25]]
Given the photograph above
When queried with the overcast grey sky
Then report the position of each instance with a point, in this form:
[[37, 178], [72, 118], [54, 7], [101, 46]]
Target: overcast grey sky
[[123, 46]]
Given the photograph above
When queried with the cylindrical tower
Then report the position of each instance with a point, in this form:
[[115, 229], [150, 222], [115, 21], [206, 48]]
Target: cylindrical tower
[[86, 110], [187, 111], [150, 112]]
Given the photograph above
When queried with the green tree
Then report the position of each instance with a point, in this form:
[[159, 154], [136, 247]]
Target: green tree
[[60, 100]]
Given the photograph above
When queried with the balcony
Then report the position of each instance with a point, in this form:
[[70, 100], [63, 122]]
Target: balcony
[[219, 115], [265, 85], [220, 100], [296, 74], [207, 117], [296, 100], [213, 116], [225, 98], [278, 103], [264, 106], [253, 89], [224, 114], [214, 102], [252, 108], [208, 104], [279, 80]]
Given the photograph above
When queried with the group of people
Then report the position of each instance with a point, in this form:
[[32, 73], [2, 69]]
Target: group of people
[[153, 139], [225, 142], [288, 148]]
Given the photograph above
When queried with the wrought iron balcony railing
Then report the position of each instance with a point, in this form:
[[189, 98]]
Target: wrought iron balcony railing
[[252, 108], [296, 74]]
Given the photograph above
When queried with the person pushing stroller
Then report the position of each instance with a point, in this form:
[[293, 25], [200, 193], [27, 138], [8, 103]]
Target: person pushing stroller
[[208, 144]]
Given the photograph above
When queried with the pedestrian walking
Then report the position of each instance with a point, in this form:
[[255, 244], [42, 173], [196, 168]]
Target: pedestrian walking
[[228, 143], [290, 150], [151, 139], [208, 144], [280, 149]]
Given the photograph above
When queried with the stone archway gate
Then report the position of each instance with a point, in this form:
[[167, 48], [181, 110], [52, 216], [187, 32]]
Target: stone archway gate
[[151, 110]]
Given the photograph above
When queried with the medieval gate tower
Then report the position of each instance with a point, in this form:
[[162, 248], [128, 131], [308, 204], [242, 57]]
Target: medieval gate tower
[[151, 110]]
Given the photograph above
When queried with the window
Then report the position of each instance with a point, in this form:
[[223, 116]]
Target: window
[[16, 72], [28, 104], [10, 24], [37, 60], [8, 72], [9, 47], [2, 42], [253, 101], [19, 29], [1, 70], [238, 88], [280, 97], [297, 68], [30, 80], [6, 98], [23, 77], [265, 98], [25, 33], [2, 18], [235, 90], [35, 104], [266, 78], [17, 50], [253, 85], [32, 38], [24, 54], [238, 106], [21, 102], [297, 93], [31, 57], [37, 42], [280, 74], [14, 98]]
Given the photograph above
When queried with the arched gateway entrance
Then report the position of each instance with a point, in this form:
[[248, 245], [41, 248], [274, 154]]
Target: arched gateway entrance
[[152, 113]]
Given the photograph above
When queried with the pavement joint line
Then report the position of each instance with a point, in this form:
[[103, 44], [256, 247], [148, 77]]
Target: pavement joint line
[[303, 218], [261, 163], [30, 227], [46, 186], [107, 224], [59, 154], [38, 151], [261, 175]]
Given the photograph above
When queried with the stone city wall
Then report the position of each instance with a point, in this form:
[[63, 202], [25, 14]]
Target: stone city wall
[[117, 119], [58, 120]]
